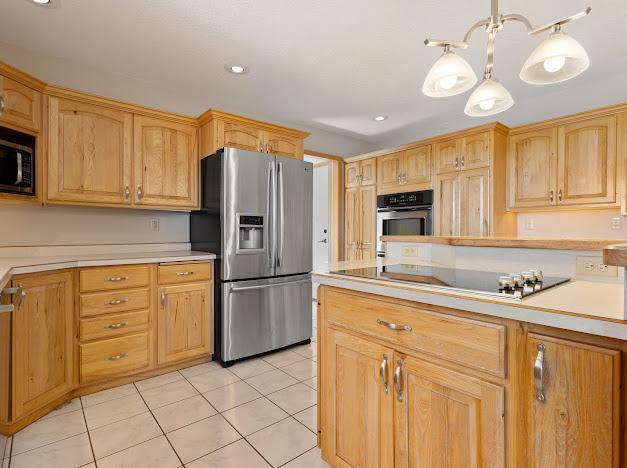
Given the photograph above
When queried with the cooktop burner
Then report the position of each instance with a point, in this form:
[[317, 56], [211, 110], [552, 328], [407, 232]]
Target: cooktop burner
[[479, 282]]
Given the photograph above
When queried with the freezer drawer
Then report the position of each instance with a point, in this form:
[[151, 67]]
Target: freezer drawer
[[262, 315]]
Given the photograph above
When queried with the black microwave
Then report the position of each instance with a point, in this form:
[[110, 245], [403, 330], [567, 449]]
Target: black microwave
[[17, 163]]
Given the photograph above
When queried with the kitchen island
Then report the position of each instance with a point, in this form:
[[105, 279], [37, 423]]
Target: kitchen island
[[415, 375]]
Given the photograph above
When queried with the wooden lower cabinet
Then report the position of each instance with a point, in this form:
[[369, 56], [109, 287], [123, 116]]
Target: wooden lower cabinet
[[384, 404]]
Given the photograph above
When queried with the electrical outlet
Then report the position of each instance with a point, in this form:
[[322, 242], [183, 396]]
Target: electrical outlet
[[594, 266], [410, 252], [530, 224], [154, 224], [617, 223]]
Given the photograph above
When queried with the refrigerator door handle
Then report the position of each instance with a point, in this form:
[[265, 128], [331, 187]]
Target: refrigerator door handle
[[281, 230], [263, 286], [270, 235]]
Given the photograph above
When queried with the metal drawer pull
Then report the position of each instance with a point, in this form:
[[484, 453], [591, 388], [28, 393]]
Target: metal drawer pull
[[163, 299], [117, 301], [115, 326], [383, 372], [19, 294], [538, 374], [397, 380], [394, 326], [185, 273], [117, 357], [117, 278]]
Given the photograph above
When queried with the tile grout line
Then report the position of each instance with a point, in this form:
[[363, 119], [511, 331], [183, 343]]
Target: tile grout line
[[91, 445]]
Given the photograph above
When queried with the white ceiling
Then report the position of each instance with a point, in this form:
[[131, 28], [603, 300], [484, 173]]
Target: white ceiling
[[327, 64]]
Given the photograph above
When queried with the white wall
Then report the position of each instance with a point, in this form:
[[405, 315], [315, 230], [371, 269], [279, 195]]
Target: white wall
[[35, 225], [591, 224]]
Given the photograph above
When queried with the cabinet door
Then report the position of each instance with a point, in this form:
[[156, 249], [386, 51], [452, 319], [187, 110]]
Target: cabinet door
[[184, 322], [43, 342], [475, 151], [368, 169], [447, 155], [89, 153], [166, 165], [577, 423], [447, 419], [352, 175], [417, 167], [532, 165], [239, 135], [283, 145], [474, 202], [446, 217], [368, 224], [22, 105], [587, 162], [358, 416], [389, 171], [352, 219]]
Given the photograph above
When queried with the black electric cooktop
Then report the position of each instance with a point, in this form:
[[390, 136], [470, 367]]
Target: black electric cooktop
[[478, 282]]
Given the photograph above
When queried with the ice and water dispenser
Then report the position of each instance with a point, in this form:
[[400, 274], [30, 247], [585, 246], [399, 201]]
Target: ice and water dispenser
[[250, 236]]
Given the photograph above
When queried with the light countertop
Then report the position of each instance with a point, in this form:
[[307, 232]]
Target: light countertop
[[10, 266], [584, 306]]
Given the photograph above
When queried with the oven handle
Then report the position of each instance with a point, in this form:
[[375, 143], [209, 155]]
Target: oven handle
[[20, 169]]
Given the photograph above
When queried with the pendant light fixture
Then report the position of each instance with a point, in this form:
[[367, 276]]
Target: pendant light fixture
[[558, 58]]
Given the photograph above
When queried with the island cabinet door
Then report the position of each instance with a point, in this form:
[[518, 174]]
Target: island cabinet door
[[573, 404], [446, 419], [357, 419]]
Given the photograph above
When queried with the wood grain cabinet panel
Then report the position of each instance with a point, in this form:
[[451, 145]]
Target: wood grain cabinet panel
[[112, 325], [358, 410], [446, 219], [352, 220], [117, 277], [532, 166], [185, 272], [474, 202], [184, 321], [351, 175], [166, 163], [447, 154], [368, 225], [43, 341], [417, 165], [114, 301], [360, 173], [239, 135], [116, 356], [22, 105], [447, 419], [577, 423], [475, 151], [283, 145], [89, 153], [390, 168]]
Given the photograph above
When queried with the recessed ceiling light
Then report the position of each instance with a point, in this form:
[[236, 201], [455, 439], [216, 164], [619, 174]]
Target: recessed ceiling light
[[236, 69], [381, 118], [41, 2]]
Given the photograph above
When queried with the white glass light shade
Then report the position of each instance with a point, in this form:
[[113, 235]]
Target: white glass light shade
[[489, 98], [449, 75], [558, 58]]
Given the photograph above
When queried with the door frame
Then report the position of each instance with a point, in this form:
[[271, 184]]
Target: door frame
[[336, 203]]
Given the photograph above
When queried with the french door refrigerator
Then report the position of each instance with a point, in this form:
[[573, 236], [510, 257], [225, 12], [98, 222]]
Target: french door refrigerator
[[256, 213]]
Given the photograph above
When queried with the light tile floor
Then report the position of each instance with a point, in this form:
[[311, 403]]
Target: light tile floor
[[257, 413]]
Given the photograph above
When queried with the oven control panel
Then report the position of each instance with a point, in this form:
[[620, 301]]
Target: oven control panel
[[421, 198]]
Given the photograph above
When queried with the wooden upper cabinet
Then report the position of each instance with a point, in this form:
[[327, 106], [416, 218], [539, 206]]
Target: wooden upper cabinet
[[389, 172], [587, 162], [21, 104], [447, 155], [532, 166], [166, 163], [368, 171], [577, 422], [239, 135], [358, 410], [475, 151], [417, 166], [446, 218], [43, 342], [360, 173], [184, 321], [447, 419], [283, 145], [89, 153], [351, 174], [474, 202]]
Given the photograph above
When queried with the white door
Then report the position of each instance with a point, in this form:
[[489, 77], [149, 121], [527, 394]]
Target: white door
[[320, 223]]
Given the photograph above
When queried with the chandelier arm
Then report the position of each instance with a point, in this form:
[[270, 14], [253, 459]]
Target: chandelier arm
[[479, 24], [560, 22], [520, 18], [490, 49]]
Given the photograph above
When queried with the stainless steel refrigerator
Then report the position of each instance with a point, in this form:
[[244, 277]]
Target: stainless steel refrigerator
[[256, 214]]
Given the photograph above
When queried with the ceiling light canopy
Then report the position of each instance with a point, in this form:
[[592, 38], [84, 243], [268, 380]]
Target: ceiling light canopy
[[558, 58], [236, 69]]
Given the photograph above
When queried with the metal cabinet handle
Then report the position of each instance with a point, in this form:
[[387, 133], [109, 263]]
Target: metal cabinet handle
[[538, 374], [383, 372], [185, 273], [261, 146], [115, 279], [394, 326], [551, 196], [139, 193], [404, 180], [560, 195], [456, 162], [463, 162], [267, 147], [127, 192], [19, 294], [163, 299], [117, 301], [397, 380], [3, 105], [117, 357], [115, 326]]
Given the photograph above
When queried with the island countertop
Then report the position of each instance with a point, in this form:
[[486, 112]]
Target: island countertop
[[584, 306]]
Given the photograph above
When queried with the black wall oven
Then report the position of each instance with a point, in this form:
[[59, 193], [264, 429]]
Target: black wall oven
[[17, 162], [404, 214]]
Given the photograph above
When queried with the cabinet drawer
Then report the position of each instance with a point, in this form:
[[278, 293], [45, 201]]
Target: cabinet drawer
[[100, 279], [111, 325], [471, 343], [104, 358], [184, 272], [114, 301]]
